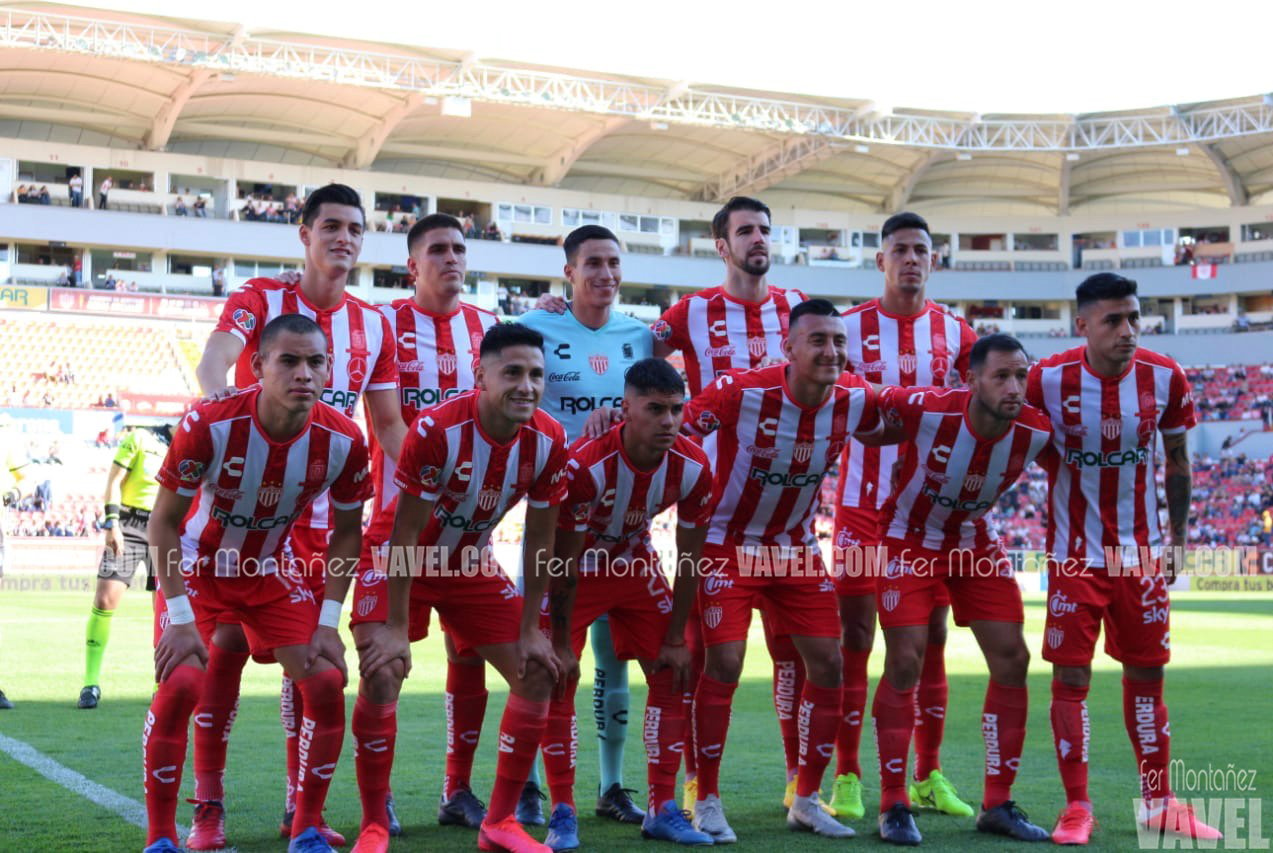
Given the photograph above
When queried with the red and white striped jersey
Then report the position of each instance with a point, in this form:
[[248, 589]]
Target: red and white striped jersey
[[436, 356], [613, 501], [949, 477], [769, 454], [447, 458], [1101, 486], [930, 348], [249, 489], [716, 332]]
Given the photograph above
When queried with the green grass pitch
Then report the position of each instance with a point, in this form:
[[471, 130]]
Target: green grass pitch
[[1219, 690]]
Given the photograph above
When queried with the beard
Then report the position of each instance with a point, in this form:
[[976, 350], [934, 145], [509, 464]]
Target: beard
[[753, 266]]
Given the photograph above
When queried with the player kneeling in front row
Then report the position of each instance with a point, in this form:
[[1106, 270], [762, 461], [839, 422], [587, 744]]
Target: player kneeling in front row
[[607, 564], [250, 464], [464, 464], [966, 448]]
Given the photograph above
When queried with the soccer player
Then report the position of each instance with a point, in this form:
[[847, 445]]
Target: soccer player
[[239, 473], [1108, 400], [772, 434], [587, 350], [618, 483], [362, 365], [130, 494], [899, 339], [437, 337], [464, 463], [967, 447]]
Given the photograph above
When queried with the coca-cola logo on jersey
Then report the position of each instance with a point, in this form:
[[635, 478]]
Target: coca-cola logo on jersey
[[567, 376], [877, 366], [763, 452], [719, 352]]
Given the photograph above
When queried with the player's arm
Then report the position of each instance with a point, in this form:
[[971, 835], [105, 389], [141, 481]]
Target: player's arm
[[180, 643], [386, 420], [342, 565], [562, 585], [689, 556], [391, 642], [662, 349], [892, 415], [537, 552], [114, 537], [219, 355], [1178, 484]]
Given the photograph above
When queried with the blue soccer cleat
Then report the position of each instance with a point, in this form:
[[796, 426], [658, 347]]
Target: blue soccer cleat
[[563, 829], [163, 845], [310, 841], [670, 823]]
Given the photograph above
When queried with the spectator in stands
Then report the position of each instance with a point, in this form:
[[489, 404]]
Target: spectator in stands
[[20, 194], [179, 207], [64, 278], [201, 207], [492, 231], [470, 227], [43, 197], [218, 280], [132, 287], [109, 282], [292, 209], [109, 402], [103, 192], [76, 187]]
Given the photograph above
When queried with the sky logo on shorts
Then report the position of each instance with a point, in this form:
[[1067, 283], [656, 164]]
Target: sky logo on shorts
[[244, 319]]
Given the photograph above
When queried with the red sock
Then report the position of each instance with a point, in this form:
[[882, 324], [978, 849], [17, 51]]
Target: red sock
[[930, 711], [818, 722], [893, 714], [1003, 729], [163, 745], [1145, 715], [465, 709], [664, 733], [711, 724], [290, 709], [1072, 735], [375, 728], [218, 706], [520, 731], [849, 736], [788, 687], [321, 736], [693, 639], [560, 748]]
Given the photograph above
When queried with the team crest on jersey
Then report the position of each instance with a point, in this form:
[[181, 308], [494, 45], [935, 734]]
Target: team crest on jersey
[[890, 598], [712, 616], [599, 364], [707, 421], [357, 369], [802, 452], [190, 470], [244, 319], [447, 362], [758, 347], [974, 482], [1111, 427], [367, 605], [662, 330], [317, 471], [487, 499], [269, 495], [907, 362], [358, 341], [634, 518], [1055, 637]]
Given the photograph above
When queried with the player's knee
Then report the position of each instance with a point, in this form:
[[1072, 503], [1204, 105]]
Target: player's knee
[[1009, 665], [382, 686], [1073, 676], [725, 668], [537, 684], [902, 666]]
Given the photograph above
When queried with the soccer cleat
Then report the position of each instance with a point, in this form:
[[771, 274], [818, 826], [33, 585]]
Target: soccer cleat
[[1008, 819], [1074, 825], [90, 696], [391, 813], [669, 823], [463, 809], [897, 826], [936, 792], [789, 794], [207, 831], [563, 829], [709, 817], [5, 705], [508, 835], [334, 838], [373, 839], [530, 812], [310, 841], [806, 813], [1177, 818], [846, 797], [689, 796], [617, 803], [163, 845]]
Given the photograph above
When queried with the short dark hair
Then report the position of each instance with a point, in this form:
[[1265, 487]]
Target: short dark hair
[[992, 343], [905, 219], [581, 235], [653, 376], [814, 307], [331, 194], [297, 324], [503, 335], [720, 222], [1104, 285], [432, 222]]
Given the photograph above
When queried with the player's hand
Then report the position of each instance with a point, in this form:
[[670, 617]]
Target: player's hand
[[600, 421], [534, 646], [290, 277], [228, 391], [552, 303], [569, 670], [326, 644], [770, 361], [676, 658], [115, 540], [383, 647], [176, 645]]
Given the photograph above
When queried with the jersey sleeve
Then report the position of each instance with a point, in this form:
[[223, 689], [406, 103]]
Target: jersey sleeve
[[127, 450], [551, 486], [903, 407], [188, 456], [424, 452], [963, 361], [695, 508], [352, 487], [243, 314], [581, 496], [672, 327], [705, 412], [1034, 386], [870, 421], [384, 373], [1180, 414]]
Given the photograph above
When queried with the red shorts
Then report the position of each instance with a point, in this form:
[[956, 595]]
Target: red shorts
[[639, 604], [915, 580], [273, 610], [480, 608], [1136, 612], [798, 596], [308, 557], [856, 563]]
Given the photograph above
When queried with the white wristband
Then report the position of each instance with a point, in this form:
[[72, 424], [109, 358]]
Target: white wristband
[[330, 615], [179, 610]]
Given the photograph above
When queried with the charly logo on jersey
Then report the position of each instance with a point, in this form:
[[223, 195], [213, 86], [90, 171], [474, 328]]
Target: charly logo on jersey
[[190, 470], [487, 499], [802, 452], [244, 319], [268, 495], [447, 361], [599, 363], [757, 347]]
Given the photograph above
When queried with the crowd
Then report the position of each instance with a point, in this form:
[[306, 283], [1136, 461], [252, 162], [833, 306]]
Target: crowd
[[264, 208], [32, 195]]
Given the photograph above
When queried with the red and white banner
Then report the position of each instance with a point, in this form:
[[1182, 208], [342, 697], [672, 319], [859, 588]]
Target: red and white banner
[[198, 308], [1203, 271]]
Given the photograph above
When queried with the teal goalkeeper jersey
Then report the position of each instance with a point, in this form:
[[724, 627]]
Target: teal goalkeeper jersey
[[585, 367]]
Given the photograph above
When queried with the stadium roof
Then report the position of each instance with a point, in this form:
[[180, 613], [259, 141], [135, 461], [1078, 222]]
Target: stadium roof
[[127, 80]]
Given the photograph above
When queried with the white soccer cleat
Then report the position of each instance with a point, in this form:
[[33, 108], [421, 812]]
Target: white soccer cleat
[[709, 817], [806, 814]]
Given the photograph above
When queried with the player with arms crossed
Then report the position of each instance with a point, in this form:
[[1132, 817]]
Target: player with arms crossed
[[618, 483], [464, 463], [771, 435], [1108, 400], [966, 448], [239, 473], [362, 365], [899, 339]]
